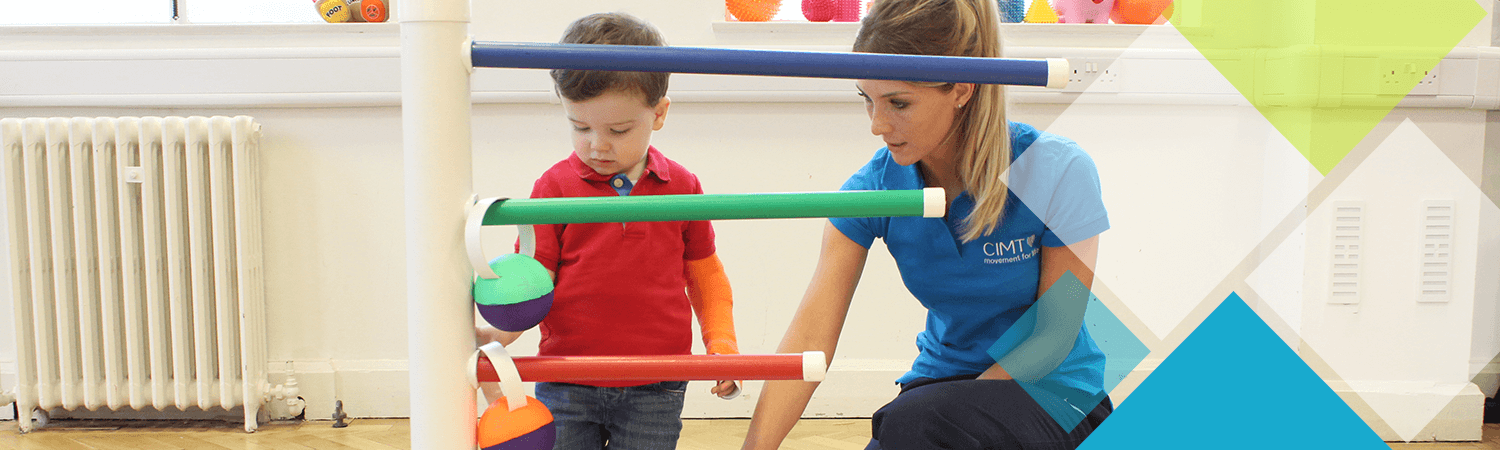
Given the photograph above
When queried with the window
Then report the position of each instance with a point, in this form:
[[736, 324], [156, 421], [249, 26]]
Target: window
[[49, 12], [25, 12]]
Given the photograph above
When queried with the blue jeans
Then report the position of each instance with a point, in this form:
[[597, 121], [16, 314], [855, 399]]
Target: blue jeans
[[645, 417]]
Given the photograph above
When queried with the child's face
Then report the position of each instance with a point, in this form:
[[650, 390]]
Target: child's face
[[611, 132]]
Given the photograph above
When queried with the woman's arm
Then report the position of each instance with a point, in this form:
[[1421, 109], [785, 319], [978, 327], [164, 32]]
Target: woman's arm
[[816, 326], [1057, 319]]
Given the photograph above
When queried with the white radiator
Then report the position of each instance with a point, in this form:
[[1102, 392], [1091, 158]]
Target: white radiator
[[135, 256]]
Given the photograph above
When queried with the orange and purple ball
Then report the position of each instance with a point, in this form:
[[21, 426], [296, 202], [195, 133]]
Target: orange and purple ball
[[527, 428]]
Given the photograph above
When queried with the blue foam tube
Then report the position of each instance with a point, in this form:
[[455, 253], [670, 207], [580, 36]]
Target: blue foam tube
[[870, 66]]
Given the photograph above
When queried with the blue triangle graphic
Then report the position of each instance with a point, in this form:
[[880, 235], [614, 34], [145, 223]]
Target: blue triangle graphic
[[1233, 384]]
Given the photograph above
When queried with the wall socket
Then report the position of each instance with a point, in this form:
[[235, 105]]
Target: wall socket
[[1408, 76], [1096, 75], [1429, 83]]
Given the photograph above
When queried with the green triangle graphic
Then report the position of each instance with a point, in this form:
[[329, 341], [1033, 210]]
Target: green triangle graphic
[[1325, 72]]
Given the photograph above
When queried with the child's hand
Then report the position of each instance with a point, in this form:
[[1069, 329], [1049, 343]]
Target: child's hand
[[484, 334], [727, 390]]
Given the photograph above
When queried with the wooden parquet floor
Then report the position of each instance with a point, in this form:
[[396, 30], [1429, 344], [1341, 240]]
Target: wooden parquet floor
[[384, 434]]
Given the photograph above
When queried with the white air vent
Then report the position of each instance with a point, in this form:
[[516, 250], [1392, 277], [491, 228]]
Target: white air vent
[[1437, 252], [1348, 231]]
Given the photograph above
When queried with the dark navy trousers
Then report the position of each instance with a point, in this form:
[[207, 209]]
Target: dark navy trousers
[[963, 413]]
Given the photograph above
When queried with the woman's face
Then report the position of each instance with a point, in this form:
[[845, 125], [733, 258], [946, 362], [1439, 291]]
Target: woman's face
[[913, 120]]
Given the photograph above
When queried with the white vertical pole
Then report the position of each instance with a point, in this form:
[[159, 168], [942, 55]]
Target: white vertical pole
[[436, 143]]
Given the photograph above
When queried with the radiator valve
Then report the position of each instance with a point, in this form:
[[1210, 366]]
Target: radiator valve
[[288, 392]]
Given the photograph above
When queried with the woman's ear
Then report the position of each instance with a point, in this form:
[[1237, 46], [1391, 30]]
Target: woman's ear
[[963, 92]]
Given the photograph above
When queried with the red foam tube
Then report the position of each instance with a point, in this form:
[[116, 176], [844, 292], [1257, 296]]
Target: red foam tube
[[661, 368]]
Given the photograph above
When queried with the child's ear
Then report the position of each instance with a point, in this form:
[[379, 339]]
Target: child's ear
[[661, 113]]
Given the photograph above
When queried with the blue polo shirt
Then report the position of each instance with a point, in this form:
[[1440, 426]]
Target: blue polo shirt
[[975, 291]]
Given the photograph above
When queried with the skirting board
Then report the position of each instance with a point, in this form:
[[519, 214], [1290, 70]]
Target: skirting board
[[7, 380], [379, 388], [375, 388], [1488, 379], [1461, 420]]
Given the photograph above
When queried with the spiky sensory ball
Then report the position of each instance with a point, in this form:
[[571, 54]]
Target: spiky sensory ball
[[753, 10]]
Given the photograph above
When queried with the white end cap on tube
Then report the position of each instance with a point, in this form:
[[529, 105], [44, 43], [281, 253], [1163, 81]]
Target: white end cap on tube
[[933, 202], [1057, 73], [814, 366]]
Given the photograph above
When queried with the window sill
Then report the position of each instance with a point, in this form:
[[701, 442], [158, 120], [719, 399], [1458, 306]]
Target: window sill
[[830, 28], [1015, 34]]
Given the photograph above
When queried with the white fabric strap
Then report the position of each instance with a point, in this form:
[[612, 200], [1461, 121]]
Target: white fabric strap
[[472, 241], [510, 379], [528, 240]]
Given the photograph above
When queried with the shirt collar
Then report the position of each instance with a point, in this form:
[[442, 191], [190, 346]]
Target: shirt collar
[[656, 165]]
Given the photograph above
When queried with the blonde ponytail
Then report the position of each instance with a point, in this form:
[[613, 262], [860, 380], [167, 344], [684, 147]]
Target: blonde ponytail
[[955, 28]]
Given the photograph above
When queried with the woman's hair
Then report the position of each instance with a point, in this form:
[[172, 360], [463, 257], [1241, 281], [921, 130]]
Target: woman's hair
[[611, 29], [982, 135]]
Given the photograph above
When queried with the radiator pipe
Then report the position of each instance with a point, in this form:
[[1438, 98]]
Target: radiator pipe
[[288, 392]]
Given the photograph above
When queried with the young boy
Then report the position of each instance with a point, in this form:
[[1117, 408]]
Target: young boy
[[623, 288]]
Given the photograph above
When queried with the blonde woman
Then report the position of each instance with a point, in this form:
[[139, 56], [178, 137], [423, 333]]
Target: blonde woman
[[1024, 212]]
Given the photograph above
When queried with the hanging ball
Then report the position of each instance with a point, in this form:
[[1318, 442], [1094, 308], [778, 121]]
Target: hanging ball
[[527, 428], [520, 298]]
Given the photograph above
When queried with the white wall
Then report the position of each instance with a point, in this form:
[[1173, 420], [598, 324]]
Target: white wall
[[327, 97], [1487, 303]]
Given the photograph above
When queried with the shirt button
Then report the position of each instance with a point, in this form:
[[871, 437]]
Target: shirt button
[[619, 182]]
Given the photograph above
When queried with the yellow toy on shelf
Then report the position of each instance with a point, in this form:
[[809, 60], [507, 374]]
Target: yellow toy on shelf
[[340, 11], [334, 11], [1040, 12]]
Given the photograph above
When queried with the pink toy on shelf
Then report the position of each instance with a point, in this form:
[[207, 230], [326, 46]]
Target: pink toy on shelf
[[817, 10], [835, 10], [846, 10], [1083, 11]]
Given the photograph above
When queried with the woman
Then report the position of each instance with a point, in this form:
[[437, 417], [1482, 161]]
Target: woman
[[1023, 213]]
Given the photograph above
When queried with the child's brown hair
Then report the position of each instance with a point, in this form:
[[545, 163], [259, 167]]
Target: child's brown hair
[[611, 29]]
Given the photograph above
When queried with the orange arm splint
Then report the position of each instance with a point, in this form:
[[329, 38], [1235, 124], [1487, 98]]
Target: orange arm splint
[[708, 290]]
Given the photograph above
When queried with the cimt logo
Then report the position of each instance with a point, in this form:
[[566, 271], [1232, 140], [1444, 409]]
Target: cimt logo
[[1010, 248]]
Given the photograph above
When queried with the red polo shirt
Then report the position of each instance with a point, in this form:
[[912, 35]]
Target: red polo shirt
[[620, 287]]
